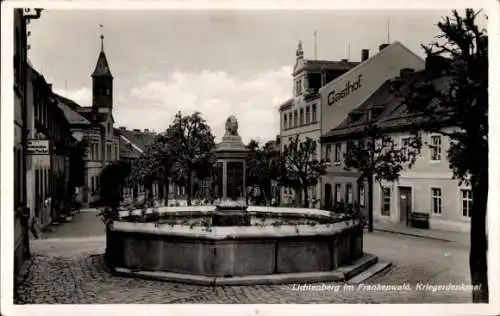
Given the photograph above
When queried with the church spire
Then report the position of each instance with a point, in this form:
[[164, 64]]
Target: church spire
[[102, 66]]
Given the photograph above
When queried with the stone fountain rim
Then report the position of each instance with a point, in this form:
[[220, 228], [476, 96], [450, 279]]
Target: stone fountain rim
[[251, 210], [235, 232]]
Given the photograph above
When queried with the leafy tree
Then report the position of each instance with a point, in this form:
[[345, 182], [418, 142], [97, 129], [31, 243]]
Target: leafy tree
[[113, 178], [456, 91], [192, 143], [300, 168], [153, 166], [263, 167], [378, 157]]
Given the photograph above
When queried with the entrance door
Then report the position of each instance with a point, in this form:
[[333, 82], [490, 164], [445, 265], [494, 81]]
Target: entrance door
[[404, 204], [328, 195]]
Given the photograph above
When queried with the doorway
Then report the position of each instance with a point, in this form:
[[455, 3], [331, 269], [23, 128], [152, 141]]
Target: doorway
[[405, 204]]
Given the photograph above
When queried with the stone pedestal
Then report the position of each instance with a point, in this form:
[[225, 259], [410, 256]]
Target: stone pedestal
[[231, 156]]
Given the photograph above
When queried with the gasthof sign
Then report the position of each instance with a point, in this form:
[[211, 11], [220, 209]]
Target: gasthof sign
[[37, 147]]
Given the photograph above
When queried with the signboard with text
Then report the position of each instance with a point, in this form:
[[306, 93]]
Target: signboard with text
[[37, 147]]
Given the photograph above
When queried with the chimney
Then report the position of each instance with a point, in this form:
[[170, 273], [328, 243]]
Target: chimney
[[136, 130], [382, 46], [406, 73], [146, 130], [123, 128], [365, 54]]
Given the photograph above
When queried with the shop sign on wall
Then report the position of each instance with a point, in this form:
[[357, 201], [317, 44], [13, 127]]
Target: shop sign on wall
[[335, 96], [37, 147]]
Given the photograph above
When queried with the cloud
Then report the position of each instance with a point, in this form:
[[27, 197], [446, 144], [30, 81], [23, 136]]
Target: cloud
[[254, 101], [216, 94], [82, 96]]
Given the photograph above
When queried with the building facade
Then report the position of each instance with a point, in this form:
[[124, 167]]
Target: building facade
[[48, 143], [425, 187], [301, 114], [94, 124], [346, 93], [21, 209]]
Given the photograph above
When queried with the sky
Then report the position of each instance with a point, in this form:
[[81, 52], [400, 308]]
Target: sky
[[219, 63]]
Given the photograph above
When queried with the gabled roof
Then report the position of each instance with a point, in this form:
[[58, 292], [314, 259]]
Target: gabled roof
[[319, 65], [70, 110], [393, 113], [286, 105], [71, 115], [140, 140], [93, 115], [70, 103]]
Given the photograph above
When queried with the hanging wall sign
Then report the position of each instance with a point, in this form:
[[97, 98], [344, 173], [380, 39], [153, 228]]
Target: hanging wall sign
[[37, 147]]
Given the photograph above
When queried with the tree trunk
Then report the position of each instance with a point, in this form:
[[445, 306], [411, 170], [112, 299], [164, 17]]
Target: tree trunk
[[188, 188], [479, 243], [161, 192], [167, 191], [306, 197], [370, 203]]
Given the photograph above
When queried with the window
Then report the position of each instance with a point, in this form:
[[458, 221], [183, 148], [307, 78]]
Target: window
[[301, 116], [92, 186], [361, 196], [109, 152], [328, 152], [437, 203], [338, 152], [338, 192], [386, 201], [295, 119], [405, 145], [285, 121], [435, 148], [348, 193], [308, 115], [183, 190], [466, 202], [298, 87], [314, 118]]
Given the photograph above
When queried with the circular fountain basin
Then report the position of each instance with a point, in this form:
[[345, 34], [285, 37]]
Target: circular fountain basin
[[276, 245]]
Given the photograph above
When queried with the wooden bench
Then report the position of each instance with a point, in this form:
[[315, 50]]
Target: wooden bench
[[419, 220]]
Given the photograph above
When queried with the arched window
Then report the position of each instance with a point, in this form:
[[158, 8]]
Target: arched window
[[285, 121]]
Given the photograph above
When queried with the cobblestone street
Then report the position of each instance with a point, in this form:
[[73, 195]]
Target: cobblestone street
[[69, 268]]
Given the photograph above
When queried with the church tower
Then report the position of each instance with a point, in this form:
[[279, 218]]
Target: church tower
[[102, 83]]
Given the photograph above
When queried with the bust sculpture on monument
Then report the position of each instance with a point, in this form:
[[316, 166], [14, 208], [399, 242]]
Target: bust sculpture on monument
[[231, 126]]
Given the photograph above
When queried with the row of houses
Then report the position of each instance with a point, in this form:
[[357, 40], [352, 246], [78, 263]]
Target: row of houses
[[333, 102], [47, 127]]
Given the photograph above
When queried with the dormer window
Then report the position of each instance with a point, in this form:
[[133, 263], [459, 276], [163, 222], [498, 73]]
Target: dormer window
[[374, 113], [314, 81], [355, 117]]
